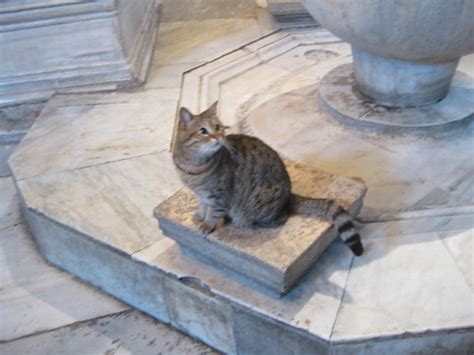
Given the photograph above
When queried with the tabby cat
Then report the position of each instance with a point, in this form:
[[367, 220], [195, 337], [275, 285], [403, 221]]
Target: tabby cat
[[240, 179]]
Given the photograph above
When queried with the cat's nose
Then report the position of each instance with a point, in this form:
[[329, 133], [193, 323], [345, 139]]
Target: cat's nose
[[218, 135]]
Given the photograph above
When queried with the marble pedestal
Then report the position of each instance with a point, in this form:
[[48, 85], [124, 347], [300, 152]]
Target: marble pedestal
[[339, 97], [274, 258], [89, 204], [51, 46]]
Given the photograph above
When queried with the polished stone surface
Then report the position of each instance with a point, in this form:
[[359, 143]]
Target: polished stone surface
[[128, 332], [99, 215], [86, 199], [91, 116], [35, 296], [428, 292], [340, 98], [412, 66]]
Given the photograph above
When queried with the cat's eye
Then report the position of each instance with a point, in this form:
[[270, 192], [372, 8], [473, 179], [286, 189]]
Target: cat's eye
[[218, 127], [203, 131]]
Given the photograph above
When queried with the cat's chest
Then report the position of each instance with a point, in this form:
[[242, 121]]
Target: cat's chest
[[209, 187]]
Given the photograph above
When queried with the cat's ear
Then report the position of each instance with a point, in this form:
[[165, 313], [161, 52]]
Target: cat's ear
[[213, 109], [185, 116]]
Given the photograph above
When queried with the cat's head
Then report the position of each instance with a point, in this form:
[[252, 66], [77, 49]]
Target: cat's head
[[200, 135]]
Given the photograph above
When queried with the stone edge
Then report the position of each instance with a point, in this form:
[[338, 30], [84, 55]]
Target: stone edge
[[128, 74], [280, 281], [145, 288]]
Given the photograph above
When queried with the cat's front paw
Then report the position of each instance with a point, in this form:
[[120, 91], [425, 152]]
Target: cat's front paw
[[198, 217], [206, 228]]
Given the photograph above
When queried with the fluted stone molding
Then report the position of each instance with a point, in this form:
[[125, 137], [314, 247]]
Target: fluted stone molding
[[71, 45]]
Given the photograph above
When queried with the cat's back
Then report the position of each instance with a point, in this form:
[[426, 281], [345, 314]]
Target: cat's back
[[256, 159], [262, 187]]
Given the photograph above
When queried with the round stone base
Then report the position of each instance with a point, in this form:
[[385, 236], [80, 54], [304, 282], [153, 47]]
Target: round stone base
[[338, 94]]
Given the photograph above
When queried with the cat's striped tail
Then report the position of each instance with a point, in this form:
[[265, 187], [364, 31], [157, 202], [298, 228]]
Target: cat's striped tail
[[330, 209]]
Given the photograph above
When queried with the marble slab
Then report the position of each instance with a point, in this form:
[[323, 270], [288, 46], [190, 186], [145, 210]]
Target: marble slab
[[88, 200], [405, 283], [128, 332], [9, 204], [311, 307], [203, 40], [268, 89], [395, 168], [186, 10], [115, 243], [460, 244], [272, 257], [37, 297], [95, 129]]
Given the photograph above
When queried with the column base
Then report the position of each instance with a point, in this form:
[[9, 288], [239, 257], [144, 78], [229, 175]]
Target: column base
[[340, 96], [396, 83]]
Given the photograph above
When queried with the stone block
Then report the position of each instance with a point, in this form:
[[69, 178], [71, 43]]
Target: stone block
[[6, 150], [105, 267], [194, 310], [272, 257], [255, 335], [50, 46], [459, 342]]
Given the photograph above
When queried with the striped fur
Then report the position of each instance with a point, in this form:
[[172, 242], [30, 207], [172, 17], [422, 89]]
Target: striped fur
[[241, 179], [331, 210]]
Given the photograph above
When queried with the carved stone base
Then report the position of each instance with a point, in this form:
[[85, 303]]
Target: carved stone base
[[68, 46], [340, 97], [274, 258]]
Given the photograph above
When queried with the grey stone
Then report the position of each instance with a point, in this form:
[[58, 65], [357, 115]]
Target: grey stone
[[311, 306], [395, 83], [272, 257], [6, 150], [94, 129], [35, 296], [425, 30], [338, 96], [16, 120], [123, 333], [195, 310], [105, 267], [9, 205], [455, 342], [104, 207], [258, 336], [290, 14], [55, 46], [411, 66]]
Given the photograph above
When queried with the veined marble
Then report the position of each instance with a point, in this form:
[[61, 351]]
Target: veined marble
[[36, 296], [102, 210]]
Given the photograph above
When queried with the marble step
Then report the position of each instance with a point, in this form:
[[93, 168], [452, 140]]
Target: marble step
[[89, 177]]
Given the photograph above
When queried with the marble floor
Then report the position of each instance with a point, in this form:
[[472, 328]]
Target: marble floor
[[46, 311], [413, 289]]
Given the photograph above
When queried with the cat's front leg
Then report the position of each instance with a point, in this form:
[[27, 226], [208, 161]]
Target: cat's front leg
[[200, 215], [214, 217]]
